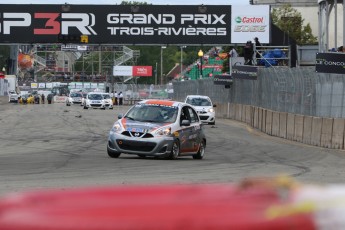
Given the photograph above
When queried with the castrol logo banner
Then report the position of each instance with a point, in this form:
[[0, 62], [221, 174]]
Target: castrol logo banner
[[249, 22]]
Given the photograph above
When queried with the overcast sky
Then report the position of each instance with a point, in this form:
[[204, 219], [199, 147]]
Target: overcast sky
[[111, 2]]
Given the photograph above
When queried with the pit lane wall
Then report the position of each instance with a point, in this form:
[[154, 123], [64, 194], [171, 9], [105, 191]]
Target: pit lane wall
[[317, 131]]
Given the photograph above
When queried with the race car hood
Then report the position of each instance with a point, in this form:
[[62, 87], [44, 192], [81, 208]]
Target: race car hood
[[202, 108], [138, 126]]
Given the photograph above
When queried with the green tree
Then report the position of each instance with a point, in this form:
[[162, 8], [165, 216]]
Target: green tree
[[4, 55], [290, 21]]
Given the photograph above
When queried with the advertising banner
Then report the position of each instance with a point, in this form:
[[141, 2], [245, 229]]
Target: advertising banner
[[142, 71], [87, 85], [42, 85], [122, 70], [222, 79], [248, 22], [330, 63], [135, 71], [245, 72], [49, 85], [117, 24], [33, 85]]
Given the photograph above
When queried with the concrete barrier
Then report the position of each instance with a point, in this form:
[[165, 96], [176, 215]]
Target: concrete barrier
[[243, 114], [275, 124], [263, 126], [317, 131], [298, 132], [282, 124], [290, 126], [248, 115], [326, 132], [268, 126], [316, 128], [256, 117], [238, 112], [307, 127], [338, 133]]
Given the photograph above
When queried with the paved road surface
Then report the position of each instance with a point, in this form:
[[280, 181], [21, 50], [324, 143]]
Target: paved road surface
[[54, 146]]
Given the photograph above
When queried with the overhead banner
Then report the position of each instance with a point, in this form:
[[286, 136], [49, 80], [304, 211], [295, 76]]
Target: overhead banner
[[330, 63], [116, 24], [222, 79], [248, 22], [245, 72], [135, 71]]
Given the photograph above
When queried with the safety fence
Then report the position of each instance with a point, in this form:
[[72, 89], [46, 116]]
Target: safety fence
[[293, 90]]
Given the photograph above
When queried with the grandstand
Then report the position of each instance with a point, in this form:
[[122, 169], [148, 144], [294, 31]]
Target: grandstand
[[211, 66]]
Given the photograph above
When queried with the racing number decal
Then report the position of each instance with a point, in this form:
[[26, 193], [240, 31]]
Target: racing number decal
[[52, 26]]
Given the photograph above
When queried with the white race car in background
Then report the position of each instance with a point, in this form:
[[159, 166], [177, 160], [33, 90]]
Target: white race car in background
[[74, 98], [108, 102], [94, 100], [13, 96], [204, 108]]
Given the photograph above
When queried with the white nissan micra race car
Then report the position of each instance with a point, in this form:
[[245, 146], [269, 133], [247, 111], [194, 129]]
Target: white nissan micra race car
[[158, 128]]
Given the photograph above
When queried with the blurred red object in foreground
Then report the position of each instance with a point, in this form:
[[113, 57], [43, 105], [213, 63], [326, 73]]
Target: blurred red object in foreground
[[149, 207]]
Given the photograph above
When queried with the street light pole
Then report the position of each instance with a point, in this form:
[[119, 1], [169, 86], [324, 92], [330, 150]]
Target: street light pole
[[156, 73], [181, 60], [201, 55], [162, 47]]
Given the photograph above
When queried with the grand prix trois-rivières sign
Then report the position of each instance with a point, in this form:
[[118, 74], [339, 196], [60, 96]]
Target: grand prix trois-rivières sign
[[116, 24]]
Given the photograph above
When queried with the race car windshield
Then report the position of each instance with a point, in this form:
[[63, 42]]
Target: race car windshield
[[75, 95], [199, 101], [153, 113], [95, 97]]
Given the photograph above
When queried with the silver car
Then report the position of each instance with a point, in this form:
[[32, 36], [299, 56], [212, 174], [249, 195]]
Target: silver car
[[158, 128], [74, 98]]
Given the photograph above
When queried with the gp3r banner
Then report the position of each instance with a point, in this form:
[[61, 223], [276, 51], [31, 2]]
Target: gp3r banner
[[116, 24], [245, 72], [330, 63]]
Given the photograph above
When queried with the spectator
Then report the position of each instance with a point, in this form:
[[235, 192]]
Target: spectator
[[248, 52], [233, 53], [42, 98], [115, 98], [257, 44], [120, 98]]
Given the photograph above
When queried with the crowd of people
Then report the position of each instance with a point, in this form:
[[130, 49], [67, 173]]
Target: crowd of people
[[117, 98]]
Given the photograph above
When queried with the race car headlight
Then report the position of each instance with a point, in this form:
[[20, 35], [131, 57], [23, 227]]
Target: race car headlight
[[211, 110], [165, 131], [117, 128]]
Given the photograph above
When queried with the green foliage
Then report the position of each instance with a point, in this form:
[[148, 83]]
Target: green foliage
[[4, 55], [290, 21]]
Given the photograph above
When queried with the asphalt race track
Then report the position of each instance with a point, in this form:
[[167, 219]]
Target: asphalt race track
[[55, 146]]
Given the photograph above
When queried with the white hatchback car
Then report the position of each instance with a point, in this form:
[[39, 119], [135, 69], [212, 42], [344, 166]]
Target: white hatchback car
[[13, 96], [94, 100], [108, 102], [204, 107], [74, 98]]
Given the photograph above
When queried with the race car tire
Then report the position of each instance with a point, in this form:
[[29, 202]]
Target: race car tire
[[85, 107], [201, 152], [175, 150], [113, 154]]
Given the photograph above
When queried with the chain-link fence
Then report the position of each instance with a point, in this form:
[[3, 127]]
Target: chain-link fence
[[293, 90]]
